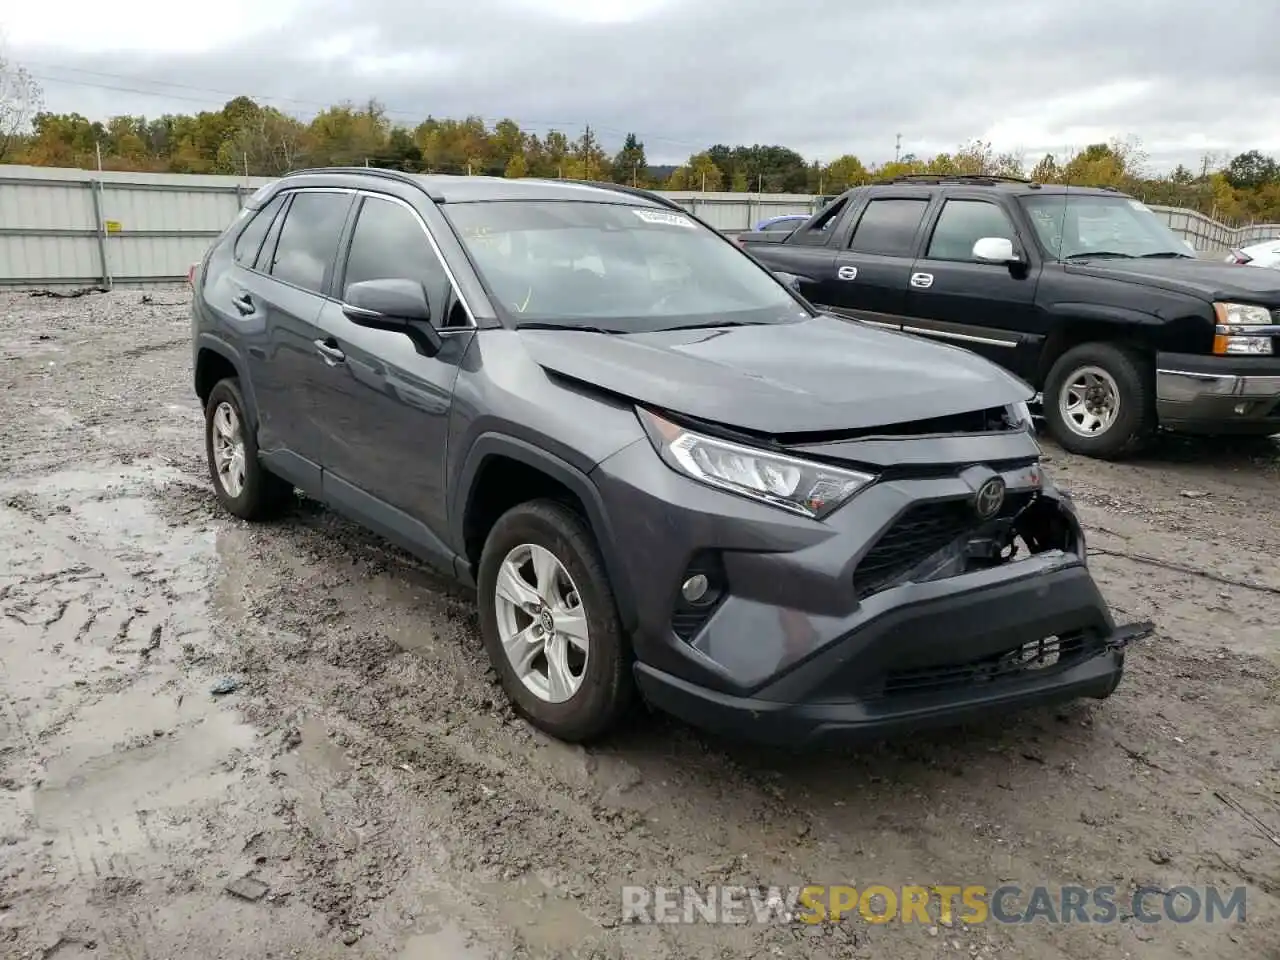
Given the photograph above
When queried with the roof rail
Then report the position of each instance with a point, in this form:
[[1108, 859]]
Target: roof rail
[[985, 179], [385, 173], [635, 192], [371, 171]]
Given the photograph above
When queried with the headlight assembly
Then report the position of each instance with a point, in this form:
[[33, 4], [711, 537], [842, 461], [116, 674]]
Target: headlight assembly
[[1242, 330], [800, 486]]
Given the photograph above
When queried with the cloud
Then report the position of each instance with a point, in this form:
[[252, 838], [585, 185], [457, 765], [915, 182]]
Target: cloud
[[825, 77]]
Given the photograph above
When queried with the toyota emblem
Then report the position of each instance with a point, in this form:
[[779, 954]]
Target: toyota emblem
[[989, 498]]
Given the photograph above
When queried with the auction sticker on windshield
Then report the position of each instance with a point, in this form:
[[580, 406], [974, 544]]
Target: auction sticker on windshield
[[664, 218]]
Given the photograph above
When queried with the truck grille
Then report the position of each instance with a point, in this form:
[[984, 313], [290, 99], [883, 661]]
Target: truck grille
[[920, 532]]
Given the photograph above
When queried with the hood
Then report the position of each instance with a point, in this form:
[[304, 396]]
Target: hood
[[822, 374], [1208, 279]]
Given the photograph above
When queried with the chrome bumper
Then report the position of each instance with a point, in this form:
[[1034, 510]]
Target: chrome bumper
[[1185, 386]]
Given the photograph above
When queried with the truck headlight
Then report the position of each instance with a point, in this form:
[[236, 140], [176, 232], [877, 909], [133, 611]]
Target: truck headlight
[[1242, 330], [801, 486]]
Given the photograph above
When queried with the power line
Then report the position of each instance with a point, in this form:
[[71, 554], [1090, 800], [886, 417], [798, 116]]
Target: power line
[[318, 105]]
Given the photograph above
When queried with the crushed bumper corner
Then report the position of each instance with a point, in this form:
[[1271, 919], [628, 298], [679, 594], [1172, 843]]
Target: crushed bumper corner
[[924, 665]]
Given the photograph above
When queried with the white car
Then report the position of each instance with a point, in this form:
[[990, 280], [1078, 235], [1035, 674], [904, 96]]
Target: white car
[[1265, 254]]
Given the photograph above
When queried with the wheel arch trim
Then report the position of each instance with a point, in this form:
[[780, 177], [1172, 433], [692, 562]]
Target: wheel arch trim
[[492, 444]]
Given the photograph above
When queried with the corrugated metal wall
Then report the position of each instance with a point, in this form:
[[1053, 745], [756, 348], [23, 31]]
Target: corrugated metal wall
[[80, 227]]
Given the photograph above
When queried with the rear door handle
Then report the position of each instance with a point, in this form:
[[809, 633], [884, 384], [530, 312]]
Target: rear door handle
[[922, 280], [244, 303], [331, 352]]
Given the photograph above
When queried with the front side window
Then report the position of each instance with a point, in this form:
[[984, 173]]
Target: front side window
[[612, 266], [1086, 225], [389, 243], [309, 238], [962, 224], [888, 227]]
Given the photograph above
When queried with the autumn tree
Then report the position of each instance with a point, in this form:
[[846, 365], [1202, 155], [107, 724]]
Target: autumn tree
[[20, 100], [516, 167], [698, 173], [247, 137], [845, 172], [1251, 170]]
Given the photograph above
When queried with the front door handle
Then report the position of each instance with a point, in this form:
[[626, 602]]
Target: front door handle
[[922, 280], [331, 352]]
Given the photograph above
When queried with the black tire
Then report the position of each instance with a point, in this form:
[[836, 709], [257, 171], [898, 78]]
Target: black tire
[[1136, 419], [607, 688], [264, 495]]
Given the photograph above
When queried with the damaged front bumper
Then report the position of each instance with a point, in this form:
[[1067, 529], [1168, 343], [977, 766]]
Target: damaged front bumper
[[893, 613]]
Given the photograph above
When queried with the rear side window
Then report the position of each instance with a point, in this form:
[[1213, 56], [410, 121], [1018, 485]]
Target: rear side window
[[250, 240], [962, 224], [309, 238], [888, 227]]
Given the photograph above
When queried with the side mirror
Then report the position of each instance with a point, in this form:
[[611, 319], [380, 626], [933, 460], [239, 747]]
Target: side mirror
[[995, 250], [399, 306]]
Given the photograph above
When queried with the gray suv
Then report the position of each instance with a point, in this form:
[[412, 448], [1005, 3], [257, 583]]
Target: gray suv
[[662, 470]]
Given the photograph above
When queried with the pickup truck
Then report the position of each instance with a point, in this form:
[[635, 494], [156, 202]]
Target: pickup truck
[[1083, 292]]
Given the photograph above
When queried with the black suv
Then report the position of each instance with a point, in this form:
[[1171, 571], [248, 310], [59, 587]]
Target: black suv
[[659, 467], [1084, 293]]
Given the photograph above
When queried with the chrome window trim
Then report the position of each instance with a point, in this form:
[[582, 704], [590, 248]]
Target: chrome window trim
[[448, 270]]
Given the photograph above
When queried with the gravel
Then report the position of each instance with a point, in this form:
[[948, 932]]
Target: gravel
[[363, 772]]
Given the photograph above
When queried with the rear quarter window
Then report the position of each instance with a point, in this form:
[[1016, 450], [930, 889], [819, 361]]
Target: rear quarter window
[[249, 241]]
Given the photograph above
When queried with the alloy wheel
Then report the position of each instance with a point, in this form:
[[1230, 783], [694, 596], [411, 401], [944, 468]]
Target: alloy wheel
[[228, 449], [541, 623]]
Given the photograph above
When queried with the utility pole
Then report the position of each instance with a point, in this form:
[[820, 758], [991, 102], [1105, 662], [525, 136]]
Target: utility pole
[[245, 157], [98, 149], [635, 174], [897, 148]]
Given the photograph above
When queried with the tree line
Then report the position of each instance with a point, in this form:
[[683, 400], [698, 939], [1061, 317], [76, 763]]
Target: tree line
[[247, 138]]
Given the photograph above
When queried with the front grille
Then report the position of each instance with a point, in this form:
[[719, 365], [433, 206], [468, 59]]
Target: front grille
[[919, 533], [1039, 656]]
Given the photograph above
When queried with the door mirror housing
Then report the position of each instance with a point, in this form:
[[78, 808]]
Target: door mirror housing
[[398, 306], [995, 250]]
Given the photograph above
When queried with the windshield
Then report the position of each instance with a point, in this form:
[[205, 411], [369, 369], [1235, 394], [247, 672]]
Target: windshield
[[1086, 225], [614, 267]]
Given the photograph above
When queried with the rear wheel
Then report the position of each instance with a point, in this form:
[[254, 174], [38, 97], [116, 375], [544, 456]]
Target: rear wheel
[[243, 485], [550, 623], [1099, 400]]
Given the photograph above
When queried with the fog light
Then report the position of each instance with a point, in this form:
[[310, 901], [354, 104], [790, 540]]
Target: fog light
[[695, 588]]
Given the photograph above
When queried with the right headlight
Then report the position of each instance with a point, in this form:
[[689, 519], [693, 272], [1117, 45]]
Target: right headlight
[[801, 486], [1242, 330]]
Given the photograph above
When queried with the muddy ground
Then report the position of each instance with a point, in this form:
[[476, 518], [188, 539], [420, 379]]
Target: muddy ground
[[367, 772]]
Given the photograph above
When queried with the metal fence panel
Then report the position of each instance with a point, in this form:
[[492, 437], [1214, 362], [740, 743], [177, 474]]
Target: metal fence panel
[[82, 227]]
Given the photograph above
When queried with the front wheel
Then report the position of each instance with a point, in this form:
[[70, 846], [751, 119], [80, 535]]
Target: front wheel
[[550, 623], [1099, 400]]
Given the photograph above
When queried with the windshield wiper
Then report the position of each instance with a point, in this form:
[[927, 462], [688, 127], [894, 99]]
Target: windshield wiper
[[711, 326], [582, 328], [1167, 255], [1094, 254]]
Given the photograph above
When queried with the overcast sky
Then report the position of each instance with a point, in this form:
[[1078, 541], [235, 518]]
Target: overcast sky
[[824, 77]]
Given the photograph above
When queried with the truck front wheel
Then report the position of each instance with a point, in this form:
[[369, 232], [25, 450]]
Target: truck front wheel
[[1099, 400]]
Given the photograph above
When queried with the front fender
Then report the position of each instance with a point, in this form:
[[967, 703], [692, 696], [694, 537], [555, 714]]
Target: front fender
[[494, 444]]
